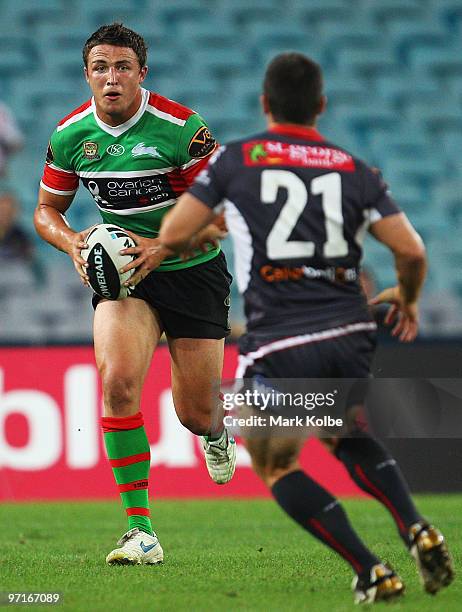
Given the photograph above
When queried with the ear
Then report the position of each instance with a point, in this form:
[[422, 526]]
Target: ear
[[85, 71], [143, 73], [322, 105], [264, 104]]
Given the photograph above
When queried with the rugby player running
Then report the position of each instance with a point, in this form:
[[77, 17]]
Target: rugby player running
[[136, 151], [297, 208]]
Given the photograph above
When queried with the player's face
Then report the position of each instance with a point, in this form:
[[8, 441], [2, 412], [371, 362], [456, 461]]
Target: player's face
[[114, 76]]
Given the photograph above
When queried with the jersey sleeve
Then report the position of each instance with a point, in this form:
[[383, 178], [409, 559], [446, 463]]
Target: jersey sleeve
[[58, 175], [378, 200], [210, 185], [195, 146]]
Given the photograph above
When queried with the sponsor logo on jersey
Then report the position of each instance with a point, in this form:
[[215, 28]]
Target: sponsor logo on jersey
[[258, 152], [50, 157], [142, 149], [202, 143], [271, 153], [273, 274], [120, 193], [90, 150], [115, 150]]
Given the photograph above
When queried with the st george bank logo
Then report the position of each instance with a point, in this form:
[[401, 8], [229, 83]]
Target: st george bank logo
[[115, 150]]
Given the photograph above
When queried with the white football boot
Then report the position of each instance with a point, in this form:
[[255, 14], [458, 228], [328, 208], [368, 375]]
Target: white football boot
[[136, 548], [220, 457]]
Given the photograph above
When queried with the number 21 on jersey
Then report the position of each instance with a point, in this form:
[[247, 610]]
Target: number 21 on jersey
[[329, 187]]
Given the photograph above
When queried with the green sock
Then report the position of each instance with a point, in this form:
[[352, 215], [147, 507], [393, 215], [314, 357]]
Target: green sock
[[130, 458]]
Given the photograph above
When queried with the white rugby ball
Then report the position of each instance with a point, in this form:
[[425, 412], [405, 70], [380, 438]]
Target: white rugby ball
[[105, 241]]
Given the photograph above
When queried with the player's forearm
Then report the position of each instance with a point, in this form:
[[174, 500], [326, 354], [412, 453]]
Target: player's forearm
[[177, 244], [174, 234], [181, 224], [411, 272], [52, 227]]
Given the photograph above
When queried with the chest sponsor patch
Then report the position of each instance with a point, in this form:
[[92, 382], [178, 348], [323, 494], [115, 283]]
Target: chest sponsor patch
[[115, 149], [202, 143], [271, 153]]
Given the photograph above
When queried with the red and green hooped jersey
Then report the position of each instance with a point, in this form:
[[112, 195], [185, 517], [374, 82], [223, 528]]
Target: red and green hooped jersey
[[134, 171]]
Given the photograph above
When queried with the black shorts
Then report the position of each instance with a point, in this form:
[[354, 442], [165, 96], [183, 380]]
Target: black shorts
[[192, 302], [344, 356]]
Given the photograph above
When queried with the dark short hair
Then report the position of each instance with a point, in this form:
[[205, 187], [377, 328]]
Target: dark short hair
[[293, 88], [118, 35]]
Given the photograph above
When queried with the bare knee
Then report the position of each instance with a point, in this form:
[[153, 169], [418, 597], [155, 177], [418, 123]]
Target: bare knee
[[197, 423], [121, 393], [198, 414]]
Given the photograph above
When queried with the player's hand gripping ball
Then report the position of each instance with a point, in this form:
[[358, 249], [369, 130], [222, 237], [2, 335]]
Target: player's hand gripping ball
[[105, 241]]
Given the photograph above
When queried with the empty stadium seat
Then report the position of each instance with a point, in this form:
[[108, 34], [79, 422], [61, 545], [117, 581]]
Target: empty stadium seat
[[441, 62], [449, 12], [221, 62], [242, 13], [409, 35], [381, 60], [344, 36], [318, 12], [385, 12], [211, 33], [397, 91]]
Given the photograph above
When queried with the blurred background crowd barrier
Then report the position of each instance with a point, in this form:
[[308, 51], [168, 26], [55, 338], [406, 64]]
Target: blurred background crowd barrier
[[393, 77]]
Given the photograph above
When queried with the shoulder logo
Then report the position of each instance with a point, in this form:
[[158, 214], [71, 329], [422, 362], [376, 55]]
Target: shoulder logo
[[115, 149], [90, 150], [202, 143], [142, 149]]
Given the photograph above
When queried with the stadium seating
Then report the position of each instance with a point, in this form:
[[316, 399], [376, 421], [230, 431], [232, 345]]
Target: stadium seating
[[393, 74]]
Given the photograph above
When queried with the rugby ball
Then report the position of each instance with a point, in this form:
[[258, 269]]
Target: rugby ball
[[105, 241]]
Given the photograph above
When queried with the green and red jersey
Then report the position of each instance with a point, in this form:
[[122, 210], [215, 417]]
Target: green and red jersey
[[134, 171]]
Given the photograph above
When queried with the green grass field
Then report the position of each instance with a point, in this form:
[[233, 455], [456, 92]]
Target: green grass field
[[225, 555]]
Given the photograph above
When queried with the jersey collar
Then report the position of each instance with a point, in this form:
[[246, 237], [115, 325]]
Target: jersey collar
[[306, 133], [118, 130]]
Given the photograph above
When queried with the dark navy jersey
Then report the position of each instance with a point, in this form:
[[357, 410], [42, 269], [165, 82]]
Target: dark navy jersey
[[297, 208]]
